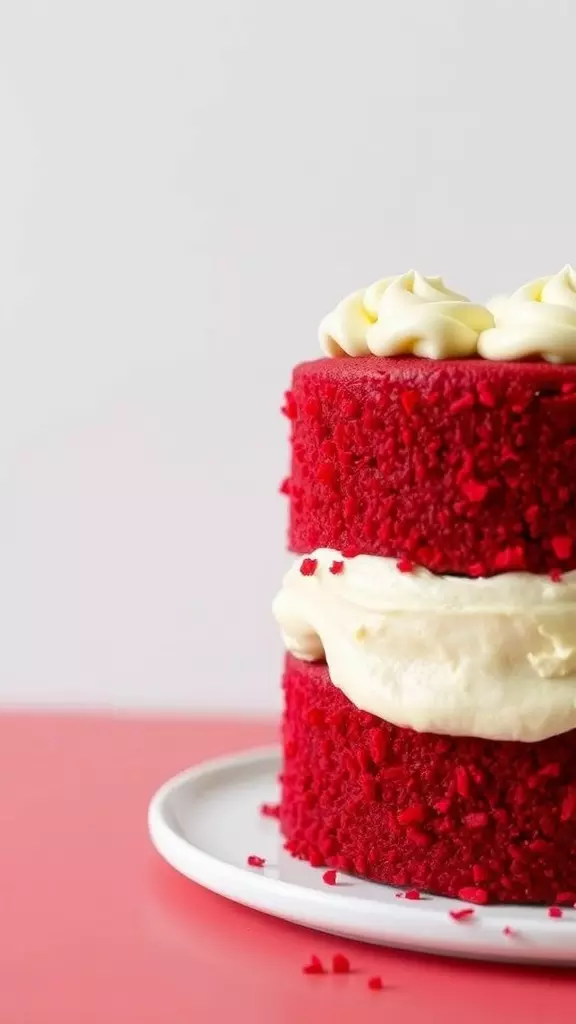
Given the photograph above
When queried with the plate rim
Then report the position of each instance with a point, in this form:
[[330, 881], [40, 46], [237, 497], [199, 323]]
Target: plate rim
[[386, 923]]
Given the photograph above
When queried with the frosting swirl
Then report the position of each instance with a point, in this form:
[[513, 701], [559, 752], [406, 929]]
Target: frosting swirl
[[405, 314], [493, 658], [539, 319]]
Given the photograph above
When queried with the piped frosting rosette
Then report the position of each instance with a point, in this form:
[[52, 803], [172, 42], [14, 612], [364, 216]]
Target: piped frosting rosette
[[406, 314], [539, 319]]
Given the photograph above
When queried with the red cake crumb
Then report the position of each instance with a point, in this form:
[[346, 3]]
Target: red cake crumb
[[393, 456], [347, 780], [270, 810], [285, 486], [568, 898], [289, 408], [256, 862], [508, 931], [329, 877], [340, 964], [409, 401], [336, 568], [568, 807], [555, 912], [415, 813], [555, 575], [308, 566], [412, 894], [314, 967], [466, 402], [375, 983], [478, 820], [462, 781], [462, 915], [473, 895], [405, 565], [474, 490], [562, 547]]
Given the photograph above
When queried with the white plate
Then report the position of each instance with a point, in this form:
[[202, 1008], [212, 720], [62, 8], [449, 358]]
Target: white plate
[[206, 822]]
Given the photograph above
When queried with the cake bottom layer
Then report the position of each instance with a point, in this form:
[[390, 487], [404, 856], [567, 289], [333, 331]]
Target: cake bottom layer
[[483, 820]]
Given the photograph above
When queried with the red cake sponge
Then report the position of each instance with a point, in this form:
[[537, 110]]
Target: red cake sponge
[[463, 466], [483, 820]]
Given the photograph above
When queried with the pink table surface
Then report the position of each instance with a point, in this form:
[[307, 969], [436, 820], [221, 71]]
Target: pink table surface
[[94, 927]]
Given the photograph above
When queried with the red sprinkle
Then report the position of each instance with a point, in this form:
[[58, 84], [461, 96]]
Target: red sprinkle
[[314, 967], [308, 566], [336, 568], [461, 915], [405, 565], [270, 810], [340, 964], [562, 547], [329, 877], [555, 912], [256, 862], [375, 983]]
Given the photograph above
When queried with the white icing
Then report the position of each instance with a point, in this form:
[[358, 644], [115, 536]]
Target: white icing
[[405, 314], [494, 658], [538, 319]]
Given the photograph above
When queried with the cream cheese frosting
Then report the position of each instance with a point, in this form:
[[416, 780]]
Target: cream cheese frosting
[[539, 319], [492, 658], [406, 314]]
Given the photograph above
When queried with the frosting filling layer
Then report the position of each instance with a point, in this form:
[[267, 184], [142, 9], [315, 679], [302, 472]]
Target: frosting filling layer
[[493, 658]]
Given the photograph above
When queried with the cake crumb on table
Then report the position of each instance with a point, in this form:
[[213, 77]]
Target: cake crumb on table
[[340, 964], [315, 966]]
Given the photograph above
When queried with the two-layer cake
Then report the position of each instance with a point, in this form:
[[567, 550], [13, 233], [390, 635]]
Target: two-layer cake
[[430, 614]]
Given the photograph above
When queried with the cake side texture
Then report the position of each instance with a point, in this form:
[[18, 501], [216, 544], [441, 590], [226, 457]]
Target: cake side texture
[[483, 820], [462, 466]]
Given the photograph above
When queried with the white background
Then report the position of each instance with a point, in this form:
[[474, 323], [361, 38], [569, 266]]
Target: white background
[[185, 188]]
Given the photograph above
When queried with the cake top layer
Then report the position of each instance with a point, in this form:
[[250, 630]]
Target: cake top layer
[[464, 466], [414, 315]]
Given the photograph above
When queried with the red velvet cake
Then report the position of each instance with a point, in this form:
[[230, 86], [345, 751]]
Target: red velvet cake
[[461, 466], [430, 616]]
